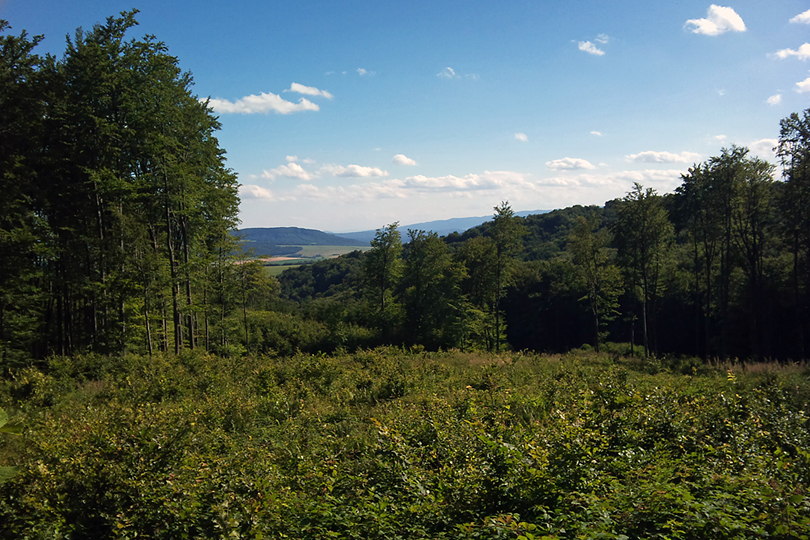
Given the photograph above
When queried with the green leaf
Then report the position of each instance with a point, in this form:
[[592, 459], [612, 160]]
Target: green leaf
[[6, 473]]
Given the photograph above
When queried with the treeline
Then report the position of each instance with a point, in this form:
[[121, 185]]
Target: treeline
[[718, 269], [116, 206]]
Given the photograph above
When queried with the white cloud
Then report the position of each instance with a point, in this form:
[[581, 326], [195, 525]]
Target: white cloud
[[363, 72], [353, 171], [719, 20], [590, 48], [720, 138], [488, 180], [309, 90], [290, 170], [252, 191], [802, 53], [802, 18], [602, 39], [265, 102], [803, 86], [775, 99], [569, 164], [522, 137], [764, 148], [291, 158], [597, 133], [651, 156], [448, 73], [402, 159]]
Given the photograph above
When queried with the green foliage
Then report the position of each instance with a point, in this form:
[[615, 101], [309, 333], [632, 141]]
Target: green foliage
[[387, 443]]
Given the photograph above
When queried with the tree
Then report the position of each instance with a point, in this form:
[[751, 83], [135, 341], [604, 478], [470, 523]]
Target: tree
[[431, 291], [643, 234], [794, 154], [383, 269], [22, 228], [506, 233], [599, 277]]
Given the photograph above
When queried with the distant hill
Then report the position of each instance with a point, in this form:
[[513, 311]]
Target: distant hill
[[442, 227], [287, 240]]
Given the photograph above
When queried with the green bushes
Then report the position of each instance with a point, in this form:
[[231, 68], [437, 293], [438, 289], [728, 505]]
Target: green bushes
[[391, 444]]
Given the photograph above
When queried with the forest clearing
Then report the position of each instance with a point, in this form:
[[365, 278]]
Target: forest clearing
[[389, 443]]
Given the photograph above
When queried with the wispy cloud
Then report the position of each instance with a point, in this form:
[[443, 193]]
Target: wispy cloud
[[802, 18], [449, 73], [719, 20], [802, 53], [308, 90], [522, 137], [651, 156], [252, 191], [402, 159], [353, 171], [597, 133], [803, 86], [264, 103], [569, 164], [775, 99], [290, 170], [590, 48]]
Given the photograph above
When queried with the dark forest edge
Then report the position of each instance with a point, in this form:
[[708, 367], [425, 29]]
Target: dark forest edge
[[118, 211]]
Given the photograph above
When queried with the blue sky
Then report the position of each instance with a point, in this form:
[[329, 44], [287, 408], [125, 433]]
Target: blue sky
[[348, 115]]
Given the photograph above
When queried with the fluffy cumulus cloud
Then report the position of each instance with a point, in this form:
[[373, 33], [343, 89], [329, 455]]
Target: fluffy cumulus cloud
[[290, 170], [309, 91], [353, 171], [264, 103], [651, 156], [522, 137], [252, 191], [802, 53], [590, 48], [803, 86], [569, 164], [764, 148], [802, 18], [402, 159], [719, 20], [775, 99]]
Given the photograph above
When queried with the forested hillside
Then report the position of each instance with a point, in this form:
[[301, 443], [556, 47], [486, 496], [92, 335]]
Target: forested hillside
[[718, 269]]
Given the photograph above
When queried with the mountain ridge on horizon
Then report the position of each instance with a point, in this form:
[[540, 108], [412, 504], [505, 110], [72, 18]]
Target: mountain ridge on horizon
[[442, 227]]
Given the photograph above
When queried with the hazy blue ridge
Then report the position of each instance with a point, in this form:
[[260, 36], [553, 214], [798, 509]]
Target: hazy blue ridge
[[442, 227]]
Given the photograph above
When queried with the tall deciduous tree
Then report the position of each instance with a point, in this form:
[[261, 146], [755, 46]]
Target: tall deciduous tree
[[600, 278], [794, 153], [431, 291], [383, 270], [643, 234]]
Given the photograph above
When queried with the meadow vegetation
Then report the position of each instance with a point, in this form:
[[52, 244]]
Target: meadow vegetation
[[392, 443]]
